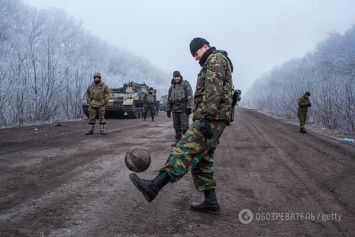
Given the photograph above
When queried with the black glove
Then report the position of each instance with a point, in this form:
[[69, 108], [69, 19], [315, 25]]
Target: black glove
[[168, 113], [309, 104], [205, 128], [188, 111]]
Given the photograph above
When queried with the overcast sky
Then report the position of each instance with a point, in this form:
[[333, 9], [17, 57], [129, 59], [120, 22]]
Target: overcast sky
[[257, 34]]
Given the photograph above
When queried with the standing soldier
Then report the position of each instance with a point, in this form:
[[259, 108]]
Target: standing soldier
[[97, 96], [180, 103], [303, 104], [195, 151], [149, 103], [236, 97]]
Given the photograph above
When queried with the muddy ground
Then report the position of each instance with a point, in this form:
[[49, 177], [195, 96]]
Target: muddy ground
[[55, 181]]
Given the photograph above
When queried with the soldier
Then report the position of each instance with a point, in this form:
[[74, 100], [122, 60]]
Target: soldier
[[180, 103], [97, 96], [149, 103], [236, 97], [211, 114], [303, 104]]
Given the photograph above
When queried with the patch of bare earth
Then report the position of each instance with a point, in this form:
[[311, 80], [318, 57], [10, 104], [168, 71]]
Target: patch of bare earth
[[55, 181]]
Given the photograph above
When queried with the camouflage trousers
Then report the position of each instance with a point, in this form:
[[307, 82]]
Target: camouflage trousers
[[196, 153], [302, 117], [147, 109], [95, 112], [180, 123]]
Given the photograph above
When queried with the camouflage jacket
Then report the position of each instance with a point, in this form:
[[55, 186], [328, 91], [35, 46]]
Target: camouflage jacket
[[149, 100], [98, 94], [179, 96], [303, 104], [213, 96]]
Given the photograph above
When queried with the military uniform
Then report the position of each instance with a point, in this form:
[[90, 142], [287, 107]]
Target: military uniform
[[97, 96], [212, 100], [195, 151], [149, 105], [303, 104], [180, 104]]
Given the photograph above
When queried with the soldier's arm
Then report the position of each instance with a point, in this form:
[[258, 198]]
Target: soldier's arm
[[107, 94], [88, 94], [168, 104]]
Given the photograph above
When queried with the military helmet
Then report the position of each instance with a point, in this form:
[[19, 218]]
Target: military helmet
[[97, 74]]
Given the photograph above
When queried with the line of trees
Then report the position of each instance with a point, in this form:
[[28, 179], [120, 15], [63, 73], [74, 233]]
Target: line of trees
[[328, 72], [47, 60]]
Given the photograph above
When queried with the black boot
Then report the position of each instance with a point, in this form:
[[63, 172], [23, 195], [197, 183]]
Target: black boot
[[302, 130], [144, 118], [209, 205], [153, 119], [150, 188]]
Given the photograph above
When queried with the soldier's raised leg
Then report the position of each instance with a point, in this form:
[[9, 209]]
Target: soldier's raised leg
[[189, 151]]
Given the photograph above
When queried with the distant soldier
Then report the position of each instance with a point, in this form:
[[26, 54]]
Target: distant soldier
[[180, 103], [236, 97], [149, 103], [97, 96], [303, 104], [195, 151]]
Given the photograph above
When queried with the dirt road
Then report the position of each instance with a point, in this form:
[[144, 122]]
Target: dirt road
[[55, 181]]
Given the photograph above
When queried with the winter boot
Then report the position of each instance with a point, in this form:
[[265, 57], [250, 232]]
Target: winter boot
[[303, 130], [209, 205], [153, 119], [91, 130], [144, 118], [150, 188], [102, 129]]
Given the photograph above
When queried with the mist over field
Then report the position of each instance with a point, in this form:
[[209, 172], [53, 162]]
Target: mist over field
[[50, 50]]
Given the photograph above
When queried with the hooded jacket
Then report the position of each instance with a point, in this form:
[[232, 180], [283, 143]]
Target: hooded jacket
[[213, 95]]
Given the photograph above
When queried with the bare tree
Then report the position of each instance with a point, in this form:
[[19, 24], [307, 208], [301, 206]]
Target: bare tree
[[328, 72]]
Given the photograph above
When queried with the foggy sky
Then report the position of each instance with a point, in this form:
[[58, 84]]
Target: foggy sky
[[257, 34]]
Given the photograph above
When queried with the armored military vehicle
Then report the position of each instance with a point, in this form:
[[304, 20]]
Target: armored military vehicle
[[126, 102]]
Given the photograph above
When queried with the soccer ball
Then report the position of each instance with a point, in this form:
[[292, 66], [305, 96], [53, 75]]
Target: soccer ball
[[137, 159]]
